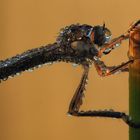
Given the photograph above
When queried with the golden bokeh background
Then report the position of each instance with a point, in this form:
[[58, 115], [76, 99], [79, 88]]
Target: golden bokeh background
[[34, 106]]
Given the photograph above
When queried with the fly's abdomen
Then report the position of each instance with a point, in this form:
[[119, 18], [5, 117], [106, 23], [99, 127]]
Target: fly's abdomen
[[30, 60]]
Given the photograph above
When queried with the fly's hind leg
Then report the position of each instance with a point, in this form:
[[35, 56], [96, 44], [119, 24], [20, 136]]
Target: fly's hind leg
[[76, 102]]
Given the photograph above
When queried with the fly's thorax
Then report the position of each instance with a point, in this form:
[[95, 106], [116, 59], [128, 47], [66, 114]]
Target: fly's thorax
[[84, 48], [80, 46]]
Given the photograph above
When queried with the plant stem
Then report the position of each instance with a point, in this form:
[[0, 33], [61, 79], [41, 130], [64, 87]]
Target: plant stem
[[134, 82]]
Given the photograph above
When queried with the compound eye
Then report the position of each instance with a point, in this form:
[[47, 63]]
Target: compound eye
[[107, 35], [92, 36]]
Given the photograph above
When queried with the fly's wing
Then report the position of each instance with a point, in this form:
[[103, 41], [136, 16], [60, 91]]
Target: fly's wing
[[30, 59]]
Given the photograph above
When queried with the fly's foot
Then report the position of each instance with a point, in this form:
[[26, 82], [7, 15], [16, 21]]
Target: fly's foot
[[134, 25]]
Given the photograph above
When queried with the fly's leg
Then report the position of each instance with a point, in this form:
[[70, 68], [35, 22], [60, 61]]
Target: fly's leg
[[76, 102], [104, 70], [117, 41], [133, 25], [113, 43]]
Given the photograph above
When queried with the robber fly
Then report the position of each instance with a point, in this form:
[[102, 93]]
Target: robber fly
[[82, 45]]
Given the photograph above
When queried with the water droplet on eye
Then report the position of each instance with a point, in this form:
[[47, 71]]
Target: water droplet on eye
[[74, 65]]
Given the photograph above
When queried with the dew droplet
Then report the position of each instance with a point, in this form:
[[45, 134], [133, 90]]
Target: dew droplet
[[45, 64], [50, 63], [4, 79], [114, 118], [18, 73], [117, 44], [95, 58], [54, 62], [5, 65], [117, 72], [35, 67], [111, 110], [82, 111], [30, 70], [85, 84], [69, 114], [74, 65], [130, 118], [83, 95], [39, 66]]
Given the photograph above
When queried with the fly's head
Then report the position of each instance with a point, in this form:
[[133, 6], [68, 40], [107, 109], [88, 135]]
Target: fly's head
[[100, 36]]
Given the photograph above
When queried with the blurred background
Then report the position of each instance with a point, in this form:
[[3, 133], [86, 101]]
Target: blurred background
[[34, 106]]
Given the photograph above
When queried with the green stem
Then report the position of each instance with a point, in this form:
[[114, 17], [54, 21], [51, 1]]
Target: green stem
[[134, 82]]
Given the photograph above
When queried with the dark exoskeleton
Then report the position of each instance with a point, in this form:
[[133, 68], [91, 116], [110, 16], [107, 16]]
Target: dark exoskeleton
[[79, 44]]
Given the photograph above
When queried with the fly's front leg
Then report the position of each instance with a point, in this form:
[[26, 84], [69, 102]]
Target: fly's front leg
[[117, 41], [113, 43], [134, 25], [104, 70]]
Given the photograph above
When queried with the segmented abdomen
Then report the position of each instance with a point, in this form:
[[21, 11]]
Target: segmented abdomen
[[29, 59], [34, 58]]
